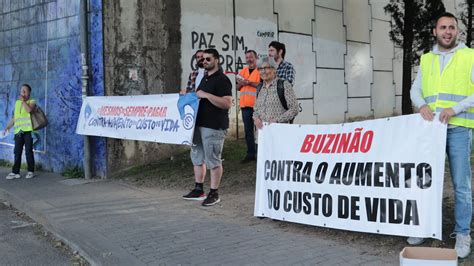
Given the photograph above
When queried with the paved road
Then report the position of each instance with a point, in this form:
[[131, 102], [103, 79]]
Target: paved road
[[22, 243], [111, 223]]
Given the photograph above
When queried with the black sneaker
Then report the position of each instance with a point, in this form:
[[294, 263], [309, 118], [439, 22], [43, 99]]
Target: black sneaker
[[195, 195], [212, 199]]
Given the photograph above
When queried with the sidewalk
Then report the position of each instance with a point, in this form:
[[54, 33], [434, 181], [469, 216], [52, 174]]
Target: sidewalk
[[112, 223]]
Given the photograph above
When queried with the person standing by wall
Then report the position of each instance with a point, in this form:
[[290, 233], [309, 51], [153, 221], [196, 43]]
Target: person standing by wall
[[196, 76], [269, 107], [23, 133], [212, 122], [285, 69], [445, 84], [248, 93]]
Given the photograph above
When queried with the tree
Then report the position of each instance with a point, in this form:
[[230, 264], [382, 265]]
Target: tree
[[466, 18], [413, 21]]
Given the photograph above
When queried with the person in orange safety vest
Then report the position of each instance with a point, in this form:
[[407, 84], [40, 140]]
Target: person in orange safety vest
[[247, 82]]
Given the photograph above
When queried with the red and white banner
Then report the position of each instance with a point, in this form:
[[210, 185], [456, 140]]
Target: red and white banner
[[380, 176]]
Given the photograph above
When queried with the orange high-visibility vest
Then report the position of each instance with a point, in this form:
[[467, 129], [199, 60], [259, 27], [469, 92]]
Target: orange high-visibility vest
[[248, 94]]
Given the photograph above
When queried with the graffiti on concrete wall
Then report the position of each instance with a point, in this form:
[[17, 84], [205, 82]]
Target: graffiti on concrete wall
[[321, 37], [231, 42], [45, 52], [225, 43], [232, 37]]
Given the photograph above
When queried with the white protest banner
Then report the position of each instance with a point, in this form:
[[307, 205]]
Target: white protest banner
[[380, 176], [165, 118]]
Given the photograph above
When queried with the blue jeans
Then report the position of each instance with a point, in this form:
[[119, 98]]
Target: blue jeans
[[458, 147], [247, 118]]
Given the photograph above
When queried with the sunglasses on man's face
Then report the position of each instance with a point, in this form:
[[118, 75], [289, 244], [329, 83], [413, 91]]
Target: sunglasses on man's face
[[208, 59]]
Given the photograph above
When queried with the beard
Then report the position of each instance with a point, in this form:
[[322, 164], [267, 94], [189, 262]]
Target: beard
[[444, 45], [200, 64], [208, 67]]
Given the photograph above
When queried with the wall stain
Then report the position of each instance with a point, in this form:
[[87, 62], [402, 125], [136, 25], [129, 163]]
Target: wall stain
[[153, 50]]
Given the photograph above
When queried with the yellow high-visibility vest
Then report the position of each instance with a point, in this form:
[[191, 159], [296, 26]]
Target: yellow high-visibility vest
[[445, 90], [22, 118]]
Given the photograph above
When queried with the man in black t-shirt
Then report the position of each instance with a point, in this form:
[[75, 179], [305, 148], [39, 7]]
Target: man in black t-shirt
[[212, 122]]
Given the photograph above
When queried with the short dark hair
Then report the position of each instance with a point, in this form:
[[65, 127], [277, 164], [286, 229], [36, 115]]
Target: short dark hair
[[198, 51], [251, 51], [278, 46], [27, 86], [445, 15], [212, 51]]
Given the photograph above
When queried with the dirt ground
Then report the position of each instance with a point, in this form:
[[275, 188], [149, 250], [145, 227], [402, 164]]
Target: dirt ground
[[237, 191]]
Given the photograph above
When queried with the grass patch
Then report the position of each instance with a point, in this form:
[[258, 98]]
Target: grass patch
[[170, 172], [5, 163], [23, 166], [234, 150], [359, 118], [73, 172], [177, 171]]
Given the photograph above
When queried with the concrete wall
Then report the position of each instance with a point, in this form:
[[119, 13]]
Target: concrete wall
[[343, 57], [40, 45], [142, 37], [347, 68]]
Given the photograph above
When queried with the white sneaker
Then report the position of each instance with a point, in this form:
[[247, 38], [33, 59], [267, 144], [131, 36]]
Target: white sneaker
[[463, 245], [29, 175], [11, 176], [415, 241]]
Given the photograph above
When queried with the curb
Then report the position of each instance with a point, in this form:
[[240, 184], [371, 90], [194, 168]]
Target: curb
[[21, 205]]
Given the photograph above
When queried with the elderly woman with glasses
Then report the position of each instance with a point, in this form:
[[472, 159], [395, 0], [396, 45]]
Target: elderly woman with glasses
[[269, 107]]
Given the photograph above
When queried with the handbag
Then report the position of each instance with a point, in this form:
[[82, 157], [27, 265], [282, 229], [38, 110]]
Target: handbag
[[38, 118]]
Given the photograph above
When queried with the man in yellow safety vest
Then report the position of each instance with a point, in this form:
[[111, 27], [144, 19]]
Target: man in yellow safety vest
[[445, 84]]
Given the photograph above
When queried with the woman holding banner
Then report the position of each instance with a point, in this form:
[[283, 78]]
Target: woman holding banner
[[276, 100]]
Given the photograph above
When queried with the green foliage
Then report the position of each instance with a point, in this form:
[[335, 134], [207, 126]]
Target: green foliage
[[7, 164], [73, 172], [425, 12], [466, 18]]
